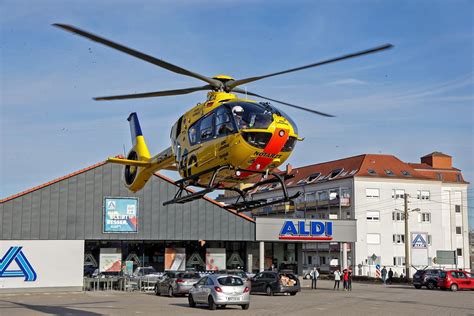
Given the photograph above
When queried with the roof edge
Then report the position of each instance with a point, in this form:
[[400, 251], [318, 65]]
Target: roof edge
[[41, 186]]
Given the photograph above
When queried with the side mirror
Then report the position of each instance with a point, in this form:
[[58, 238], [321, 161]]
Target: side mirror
[[195, 285]]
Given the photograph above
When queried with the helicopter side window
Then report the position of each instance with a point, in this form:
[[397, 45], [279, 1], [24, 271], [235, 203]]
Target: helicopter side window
[[224, 124], [207, 128], [193, 139]]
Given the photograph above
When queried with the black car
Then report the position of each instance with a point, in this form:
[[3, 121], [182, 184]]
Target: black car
[[271, 282], [428, 278]]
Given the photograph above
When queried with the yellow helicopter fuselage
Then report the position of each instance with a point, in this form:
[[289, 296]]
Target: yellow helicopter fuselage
[[208, 136]]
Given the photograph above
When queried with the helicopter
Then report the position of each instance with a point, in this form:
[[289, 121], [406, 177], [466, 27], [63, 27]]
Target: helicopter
[[222, 143]]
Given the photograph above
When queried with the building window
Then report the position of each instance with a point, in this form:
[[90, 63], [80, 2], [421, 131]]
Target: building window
[[398, 239], [459, 251], [429, 239], [398, 216], [372, 193], [389, 172], [372, 172], [405, 173], [373, 216], [310, 259], [458, 178], [313, 177], [423, 195], [439, 176], [322, 260], [398, 261], [373, 239], [398, 194], [458, 230], [425, 217], [457, 208], [335, 173]]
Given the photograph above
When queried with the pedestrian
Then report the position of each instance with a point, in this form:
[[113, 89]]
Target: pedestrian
[[345, 278], [349, 279], [314, 278], [390, 276], [384, 275], [337, 279]]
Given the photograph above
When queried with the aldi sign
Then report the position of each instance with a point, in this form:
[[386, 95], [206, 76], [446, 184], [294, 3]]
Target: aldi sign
[[280, 229], [312, 230], [419, 241]]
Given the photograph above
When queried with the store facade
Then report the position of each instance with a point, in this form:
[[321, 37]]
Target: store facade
[[51, 234]]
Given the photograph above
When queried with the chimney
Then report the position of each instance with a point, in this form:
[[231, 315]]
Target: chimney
[[438, 160]]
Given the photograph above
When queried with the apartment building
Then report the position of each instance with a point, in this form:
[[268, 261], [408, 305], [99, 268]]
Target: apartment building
[[371, 189]]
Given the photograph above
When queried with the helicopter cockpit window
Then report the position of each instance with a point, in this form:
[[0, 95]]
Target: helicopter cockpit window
[[250, 115]]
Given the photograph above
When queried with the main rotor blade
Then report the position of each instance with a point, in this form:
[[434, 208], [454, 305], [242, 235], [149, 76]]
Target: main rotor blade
[[232, 84], [140, 55], [281, 102], [154, 94]]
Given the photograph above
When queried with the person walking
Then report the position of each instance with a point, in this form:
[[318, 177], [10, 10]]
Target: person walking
[[337, 279], [345, 278], [384, 275], [314, 278], [390, 276]]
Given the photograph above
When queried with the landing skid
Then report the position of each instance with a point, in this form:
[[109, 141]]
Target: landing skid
[[242, 204]]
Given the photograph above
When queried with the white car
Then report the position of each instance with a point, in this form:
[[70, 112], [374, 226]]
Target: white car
[[220, 290]]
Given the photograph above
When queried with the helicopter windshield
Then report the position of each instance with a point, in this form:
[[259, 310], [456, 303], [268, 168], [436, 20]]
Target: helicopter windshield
[[251, 115], [281, 113]]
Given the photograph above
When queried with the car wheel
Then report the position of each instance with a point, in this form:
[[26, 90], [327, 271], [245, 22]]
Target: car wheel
[[191, 301], [212, 304], [269, 291], [454, 287], [245, 306], [157, 291], [431, 285], [170, 291], [223, 306], [307, 277], [418, 287], [293, 293]]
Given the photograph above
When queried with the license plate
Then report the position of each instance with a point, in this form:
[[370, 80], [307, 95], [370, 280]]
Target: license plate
[[233, 298]]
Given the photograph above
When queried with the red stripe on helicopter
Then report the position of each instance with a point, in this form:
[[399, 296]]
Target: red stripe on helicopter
[[274, 146]]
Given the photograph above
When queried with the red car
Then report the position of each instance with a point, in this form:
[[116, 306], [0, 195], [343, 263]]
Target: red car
[[455, 280]]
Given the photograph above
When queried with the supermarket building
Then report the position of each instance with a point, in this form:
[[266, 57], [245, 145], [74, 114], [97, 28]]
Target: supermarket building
[[51, 233]]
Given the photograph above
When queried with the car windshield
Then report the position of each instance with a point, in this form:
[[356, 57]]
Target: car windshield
[[249, 115], [230, 281], [148, 271], [189, 275]]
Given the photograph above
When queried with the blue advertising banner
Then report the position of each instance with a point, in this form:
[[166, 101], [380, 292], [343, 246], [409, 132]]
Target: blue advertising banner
[[120, 215]]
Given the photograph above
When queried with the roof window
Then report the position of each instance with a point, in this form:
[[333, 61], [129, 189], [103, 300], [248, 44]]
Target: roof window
[[353, 172], [389, 172], [372, 172], [335, 173], [313, 177], [406, 173]]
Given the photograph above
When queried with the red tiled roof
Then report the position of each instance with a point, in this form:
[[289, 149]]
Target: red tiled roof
[[436, 153], [103, 163], [380, 166]]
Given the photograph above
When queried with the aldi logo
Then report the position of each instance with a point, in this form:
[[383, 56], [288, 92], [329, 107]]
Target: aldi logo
[[314, 231], [26, 270], [419, 241]]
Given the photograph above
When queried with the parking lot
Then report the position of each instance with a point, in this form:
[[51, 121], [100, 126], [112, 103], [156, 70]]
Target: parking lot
[[364, 299]]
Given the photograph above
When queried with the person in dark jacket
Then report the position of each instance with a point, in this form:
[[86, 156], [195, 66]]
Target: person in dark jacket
[[390, 276]]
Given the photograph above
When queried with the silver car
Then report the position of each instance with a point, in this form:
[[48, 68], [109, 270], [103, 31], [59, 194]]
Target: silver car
[[173, 283], [220, 290]]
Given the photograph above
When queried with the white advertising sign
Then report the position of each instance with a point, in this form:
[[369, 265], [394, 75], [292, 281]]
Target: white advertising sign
[[419, 249], [31, 264], [215, 259]]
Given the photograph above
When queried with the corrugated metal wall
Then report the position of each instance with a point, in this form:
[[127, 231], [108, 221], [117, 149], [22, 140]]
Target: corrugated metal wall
[[73, 209]]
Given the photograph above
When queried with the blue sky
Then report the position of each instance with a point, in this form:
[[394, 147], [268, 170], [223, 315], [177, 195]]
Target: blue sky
[[409, 101]]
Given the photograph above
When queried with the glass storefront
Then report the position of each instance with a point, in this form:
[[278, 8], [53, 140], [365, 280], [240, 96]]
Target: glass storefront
[[198, 256]]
